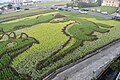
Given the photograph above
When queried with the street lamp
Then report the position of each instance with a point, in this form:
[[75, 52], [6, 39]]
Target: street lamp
[[119, 7]]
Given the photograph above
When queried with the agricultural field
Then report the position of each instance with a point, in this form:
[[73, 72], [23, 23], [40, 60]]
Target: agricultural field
[[37, 45], [109, 9], [22, 13], [45, 4]]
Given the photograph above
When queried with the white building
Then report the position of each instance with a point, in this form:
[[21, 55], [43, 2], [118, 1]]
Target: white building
[[17, 1], [114, 3], [27, 2], [22, 2]]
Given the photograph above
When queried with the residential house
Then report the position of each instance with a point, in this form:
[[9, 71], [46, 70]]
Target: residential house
[[114, 3]]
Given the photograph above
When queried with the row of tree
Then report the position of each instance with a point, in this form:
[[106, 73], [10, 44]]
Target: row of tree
[[81, 4], [10, 6]]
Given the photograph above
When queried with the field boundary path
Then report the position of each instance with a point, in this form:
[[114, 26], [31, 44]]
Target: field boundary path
[[90, 66], [24, 15]]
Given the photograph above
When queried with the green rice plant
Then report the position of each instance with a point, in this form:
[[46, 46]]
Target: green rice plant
[[87, 35], [80, 32], [51, 39], [25, 23]]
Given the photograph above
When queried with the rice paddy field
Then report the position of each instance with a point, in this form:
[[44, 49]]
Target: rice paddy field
[[46, 4], [21, 13], [46, 42]]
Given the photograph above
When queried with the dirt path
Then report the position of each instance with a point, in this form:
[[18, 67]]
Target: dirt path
[[93, 66]]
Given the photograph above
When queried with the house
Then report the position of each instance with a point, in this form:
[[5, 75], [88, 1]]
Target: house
[[114, 3], [86, 1], [22, 2], [17, 1], [28, 3], [4, 7]]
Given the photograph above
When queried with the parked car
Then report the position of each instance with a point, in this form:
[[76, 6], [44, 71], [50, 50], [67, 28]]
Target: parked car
[[53, 7], [105, 13], [17, 10], [83, 12], [26, 9], [118, 77], [76, 8], [116, 17], [69, 9], [98, 11], [60, 9]]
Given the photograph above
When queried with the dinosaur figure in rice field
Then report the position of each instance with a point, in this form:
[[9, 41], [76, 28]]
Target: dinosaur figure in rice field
[[11, 47]]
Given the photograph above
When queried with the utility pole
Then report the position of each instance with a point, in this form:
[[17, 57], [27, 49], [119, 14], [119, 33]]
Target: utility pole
[[119, 8]]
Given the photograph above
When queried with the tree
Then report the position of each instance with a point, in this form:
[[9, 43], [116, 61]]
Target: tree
[[116, 65], [9, 6], [2, 8], [99, 2], [85, 5]]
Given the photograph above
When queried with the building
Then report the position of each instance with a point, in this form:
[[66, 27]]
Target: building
[[17, 1], [27, 2], [114, 3], [4, 6], [53, 0], [86, 1], [22, 2]]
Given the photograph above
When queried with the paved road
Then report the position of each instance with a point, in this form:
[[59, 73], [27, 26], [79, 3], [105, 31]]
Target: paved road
[[91, 67], [109, 16]]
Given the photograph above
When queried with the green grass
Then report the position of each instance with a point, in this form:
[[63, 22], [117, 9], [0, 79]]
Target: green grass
[[109, 9]]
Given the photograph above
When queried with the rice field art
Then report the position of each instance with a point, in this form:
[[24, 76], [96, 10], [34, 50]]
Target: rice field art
[[11, 47], [32, 47]]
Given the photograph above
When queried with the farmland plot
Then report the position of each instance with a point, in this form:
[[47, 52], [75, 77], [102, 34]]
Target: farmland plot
[[26, 22], [62, 39]]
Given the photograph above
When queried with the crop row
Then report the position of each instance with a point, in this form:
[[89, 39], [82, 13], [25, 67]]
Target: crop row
[[51, 38], [26, 22], [80, 32]]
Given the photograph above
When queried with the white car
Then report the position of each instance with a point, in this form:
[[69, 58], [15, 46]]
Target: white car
[[17, 10], [76, 8], [83, 12], [118, 77], [98, 10], [105, 13]]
